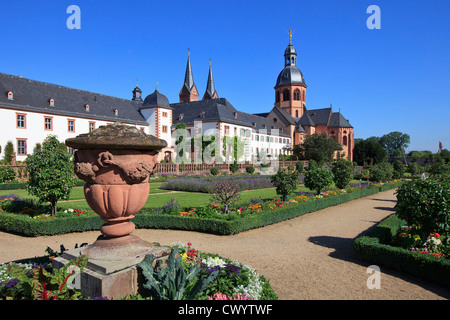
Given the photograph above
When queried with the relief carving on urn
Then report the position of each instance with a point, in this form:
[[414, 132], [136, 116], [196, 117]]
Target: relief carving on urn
[[116, 161]]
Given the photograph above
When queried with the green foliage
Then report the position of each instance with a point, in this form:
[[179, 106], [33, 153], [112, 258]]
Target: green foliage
[[44, 285], [413, 168], [312, 164], [214, 171], [234, 167], [9, 150], [425, 203], [299, 166], [320, 147], [395, 143], [369, 151], [381, 172], [285, 182], [51, 176], [7, 174], [174, 281], [374, 247], [399, 170], [250, 169], [342, 173], [318, 179], [440, 168]]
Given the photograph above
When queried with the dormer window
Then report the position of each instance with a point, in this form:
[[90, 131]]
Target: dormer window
[[51, 102], [202, 114], [235, 115], [10, 95], [180, 116], [86, 107], [254, 124], [116, 112]]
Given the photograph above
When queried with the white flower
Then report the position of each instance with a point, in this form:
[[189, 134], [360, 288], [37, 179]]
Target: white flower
[[212, 262]]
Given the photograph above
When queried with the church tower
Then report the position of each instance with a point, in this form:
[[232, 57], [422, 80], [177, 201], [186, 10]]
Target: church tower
[[290, 88], [189, 91], [210, 92]]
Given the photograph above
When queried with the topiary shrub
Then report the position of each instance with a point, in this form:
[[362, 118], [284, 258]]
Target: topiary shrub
[[299, 166], [399, 170], [250, 169], [318, 179], [342, 173], [214, 171], [285, 182]]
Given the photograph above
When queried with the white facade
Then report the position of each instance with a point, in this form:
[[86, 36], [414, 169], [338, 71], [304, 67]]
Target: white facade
[[26, 128], [257, 145]]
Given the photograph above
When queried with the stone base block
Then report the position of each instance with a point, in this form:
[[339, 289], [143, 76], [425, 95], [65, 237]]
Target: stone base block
[[112, 266]]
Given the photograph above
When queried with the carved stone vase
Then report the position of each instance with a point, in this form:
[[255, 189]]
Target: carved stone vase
[[115, 161]]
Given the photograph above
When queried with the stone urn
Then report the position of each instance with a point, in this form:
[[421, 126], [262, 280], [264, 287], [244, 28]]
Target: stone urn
[[116, 161]]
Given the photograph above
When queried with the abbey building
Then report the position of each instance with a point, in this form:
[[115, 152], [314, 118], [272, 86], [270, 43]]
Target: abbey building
[[31, 110]]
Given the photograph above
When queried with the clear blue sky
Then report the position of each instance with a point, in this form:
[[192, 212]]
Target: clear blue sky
[[392, 79]]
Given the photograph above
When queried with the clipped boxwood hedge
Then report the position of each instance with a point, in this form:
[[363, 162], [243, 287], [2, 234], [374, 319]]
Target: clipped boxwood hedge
[[37, 227], [373, 247]]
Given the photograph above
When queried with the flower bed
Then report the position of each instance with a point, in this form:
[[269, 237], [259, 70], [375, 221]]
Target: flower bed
[[208, 219], [379, 246], [227, 279]]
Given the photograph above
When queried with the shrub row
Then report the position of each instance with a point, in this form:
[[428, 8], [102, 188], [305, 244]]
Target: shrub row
[[38, 227], [373, 247]]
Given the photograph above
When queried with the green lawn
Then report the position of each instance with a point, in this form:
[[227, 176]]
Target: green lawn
[[77, 193], [158, 197]]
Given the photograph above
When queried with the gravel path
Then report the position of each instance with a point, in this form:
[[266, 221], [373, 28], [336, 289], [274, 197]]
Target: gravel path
[[309, 257]]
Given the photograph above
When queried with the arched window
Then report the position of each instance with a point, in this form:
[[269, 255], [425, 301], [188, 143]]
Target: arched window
[[296, 113], [297, 94], [10, 95], [286, 95], [344, 141]]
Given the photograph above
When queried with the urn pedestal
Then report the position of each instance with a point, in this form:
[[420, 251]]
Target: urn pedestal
[[115, 161]]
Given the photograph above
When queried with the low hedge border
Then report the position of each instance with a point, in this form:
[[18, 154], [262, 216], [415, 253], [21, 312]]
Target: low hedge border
[[373, 247], [36, 227]]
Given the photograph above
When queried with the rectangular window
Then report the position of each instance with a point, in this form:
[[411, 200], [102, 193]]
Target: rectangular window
[[91, 126], [21, 120], [22, 147], [227, 130], [164, 129], [48, 123], [164, 114], [71, 125]]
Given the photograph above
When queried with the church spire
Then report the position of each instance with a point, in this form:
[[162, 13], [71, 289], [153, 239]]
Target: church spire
[[210, 92], [189, 91], [189, 78]]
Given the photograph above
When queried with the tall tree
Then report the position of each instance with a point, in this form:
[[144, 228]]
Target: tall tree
[[51, 176], [369, 150], [319, 147], [395, 143]]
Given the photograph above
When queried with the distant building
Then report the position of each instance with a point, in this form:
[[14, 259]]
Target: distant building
[[31, 110]]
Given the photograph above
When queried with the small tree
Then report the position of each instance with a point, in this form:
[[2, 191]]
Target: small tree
[[399, 170], [9, 150], [318, 179], [225, 192], [342, 173], [285, 182], [51, 176]]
